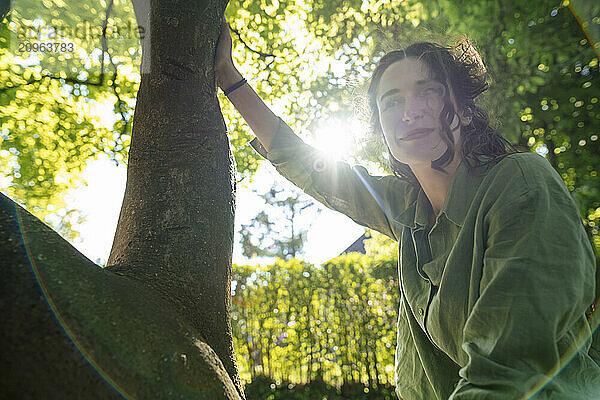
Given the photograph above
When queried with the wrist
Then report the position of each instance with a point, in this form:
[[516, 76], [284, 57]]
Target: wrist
[[227, 76]]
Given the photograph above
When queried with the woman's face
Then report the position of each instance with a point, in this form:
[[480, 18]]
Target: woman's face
[[410, 102]]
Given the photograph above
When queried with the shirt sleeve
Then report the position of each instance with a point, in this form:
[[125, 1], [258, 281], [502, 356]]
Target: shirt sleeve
[[537, 282], [371, 201]]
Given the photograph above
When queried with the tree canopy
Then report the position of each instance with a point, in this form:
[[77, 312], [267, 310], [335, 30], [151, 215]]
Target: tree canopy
[[311, 61]]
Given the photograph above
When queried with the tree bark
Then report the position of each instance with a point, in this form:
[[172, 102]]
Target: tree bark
[[73, 330], [175, 229], [155, 323]]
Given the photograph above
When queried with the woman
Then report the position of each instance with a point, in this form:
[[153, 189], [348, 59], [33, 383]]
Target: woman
[[496, 271]]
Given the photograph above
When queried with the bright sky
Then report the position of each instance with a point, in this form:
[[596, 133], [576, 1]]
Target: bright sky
[[100, 202]]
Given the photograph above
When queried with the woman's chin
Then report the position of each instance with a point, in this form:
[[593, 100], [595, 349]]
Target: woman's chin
[[424, 159]]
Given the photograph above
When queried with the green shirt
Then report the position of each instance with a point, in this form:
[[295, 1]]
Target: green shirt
[[494, 294]]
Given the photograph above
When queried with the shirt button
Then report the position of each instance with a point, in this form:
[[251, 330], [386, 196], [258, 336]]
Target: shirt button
[[421, 311]]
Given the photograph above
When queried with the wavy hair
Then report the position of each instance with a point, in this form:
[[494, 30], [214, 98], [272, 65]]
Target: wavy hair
[[461, 71]]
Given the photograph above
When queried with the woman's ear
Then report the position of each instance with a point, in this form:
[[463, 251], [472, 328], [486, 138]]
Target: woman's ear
[[467, 116]]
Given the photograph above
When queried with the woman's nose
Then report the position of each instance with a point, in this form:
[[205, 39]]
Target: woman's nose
[[413, 110]]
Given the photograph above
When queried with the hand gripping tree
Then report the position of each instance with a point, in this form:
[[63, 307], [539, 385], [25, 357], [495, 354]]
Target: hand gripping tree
[[155, 323]]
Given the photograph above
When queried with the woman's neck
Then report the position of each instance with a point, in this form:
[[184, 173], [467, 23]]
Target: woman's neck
[[435, 183]]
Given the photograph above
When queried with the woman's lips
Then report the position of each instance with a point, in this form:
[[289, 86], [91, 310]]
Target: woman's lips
[[416, 134]]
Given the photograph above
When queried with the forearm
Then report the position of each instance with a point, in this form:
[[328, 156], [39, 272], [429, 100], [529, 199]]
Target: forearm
[[263, 122]]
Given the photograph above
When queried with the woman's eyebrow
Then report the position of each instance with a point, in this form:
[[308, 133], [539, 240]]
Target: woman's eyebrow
[[393, 91], [388, 93]]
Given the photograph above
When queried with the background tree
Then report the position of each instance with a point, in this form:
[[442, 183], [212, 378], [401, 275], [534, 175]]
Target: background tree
[[276, 230], [538, 59], [542, 67]]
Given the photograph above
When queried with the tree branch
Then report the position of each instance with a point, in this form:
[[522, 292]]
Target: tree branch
[[260, 53]]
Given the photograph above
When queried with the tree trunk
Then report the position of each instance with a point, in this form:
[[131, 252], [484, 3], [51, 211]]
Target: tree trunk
[[366, 356], [247, 336], [259, 347], [357, 356], [175, 230], [268, 363], [375, 362], [73, 330], [327, 348], [318, 338], [155, 323], [345, 358], [364, 343], [310, 343]]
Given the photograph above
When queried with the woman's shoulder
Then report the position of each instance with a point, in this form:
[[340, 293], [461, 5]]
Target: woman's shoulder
[[526, 169], [519, 176]]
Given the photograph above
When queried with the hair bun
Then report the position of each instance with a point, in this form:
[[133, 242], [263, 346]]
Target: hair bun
[[466, 53]]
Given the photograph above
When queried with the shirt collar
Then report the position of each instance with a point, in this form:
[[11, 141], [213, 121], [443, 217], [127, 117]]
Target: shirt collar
[[423, 209], [462, 190]]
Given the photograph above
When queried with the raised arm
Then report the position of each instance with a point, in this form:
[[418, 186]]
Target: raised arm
[[255, 112], [371, 201]]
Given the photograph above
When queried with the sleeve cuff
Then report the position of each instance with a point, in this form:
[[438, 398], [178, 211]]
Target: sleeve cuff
[[285, 143], [259, 148]]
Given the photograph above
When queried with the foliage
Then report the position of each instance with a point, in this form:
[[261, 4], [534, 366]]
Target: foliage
[[263, 387], [298, 322], [311, 61], [379, 245], [57, 107], [384, 253]]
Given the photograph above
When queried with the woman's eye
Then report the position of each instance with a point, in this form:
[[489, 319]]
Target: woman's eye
[[392, 103], [429, 92], [437, 91]]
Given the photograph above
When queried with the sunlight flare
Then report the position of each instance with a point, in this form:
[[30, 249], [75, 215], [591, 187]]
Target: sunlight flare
[[337, 138]]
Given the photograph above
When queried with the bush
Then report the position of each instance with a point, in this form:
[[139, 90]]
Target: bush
[[265, 388]]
